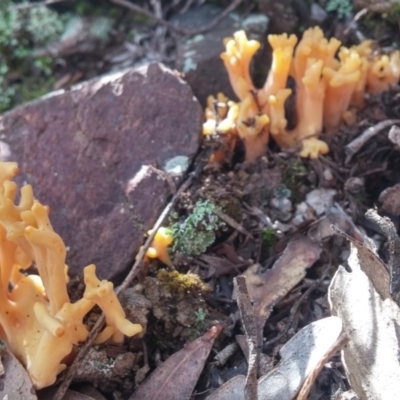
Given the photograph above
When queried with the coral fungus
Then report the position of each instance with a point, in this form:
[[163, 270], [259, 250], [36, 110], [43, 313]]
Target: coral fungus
[[221, 115], [326, 86], [38, 322]]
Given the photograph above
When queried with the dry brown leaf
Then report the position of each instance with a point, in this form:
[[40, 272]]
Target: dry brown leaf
[[15, 382], [178, 375], [269, 288]]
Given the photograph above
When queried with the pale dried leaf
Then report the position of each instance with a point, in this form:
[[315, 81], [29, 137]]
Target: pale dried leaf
[[178, 375], [300, 356], [371, 319], [231, 390]]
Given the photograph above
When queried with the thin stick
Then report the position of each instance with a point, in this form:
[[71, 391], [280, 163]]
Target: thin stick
[[127, 281], [248, 321], [231, 222], [190, 32], [309, 381]]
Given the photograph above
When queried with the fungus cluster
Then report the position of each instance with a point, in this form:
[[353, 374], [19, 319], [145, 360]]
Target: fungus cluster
[[38, 322], [329, 79]]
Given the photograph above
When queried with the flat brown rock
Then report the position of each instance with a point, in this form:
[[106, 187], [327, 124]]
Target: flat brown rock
[[94, 155]]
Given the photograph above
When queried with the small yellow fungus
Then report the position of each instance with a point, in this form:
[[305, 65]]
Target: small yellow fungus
[[159, 246]]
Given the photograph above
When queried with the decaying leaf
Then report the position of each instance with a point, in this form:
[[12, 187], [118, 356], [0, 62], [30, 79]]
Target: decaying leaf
[[178, 375], [15, 382], [300, 357], [269, 288], [371, 319]]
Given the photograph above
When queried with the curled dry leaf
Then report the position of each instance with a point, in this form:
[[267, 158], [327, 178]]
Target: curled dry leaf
[[178, 375], [301, 356], [269, 288], [371, 320]]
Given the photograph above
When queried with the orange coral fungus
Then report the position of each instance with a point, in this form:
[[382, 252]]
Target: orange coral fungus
[[283, 47], [252, 128], [383, 71], [237, 57], [38, 322], [340, 85], [326, 86], [221, 116]]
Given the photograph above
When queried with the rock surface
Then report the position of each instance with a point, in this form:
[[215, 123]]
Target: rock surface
[[198, 57], [96, 155]]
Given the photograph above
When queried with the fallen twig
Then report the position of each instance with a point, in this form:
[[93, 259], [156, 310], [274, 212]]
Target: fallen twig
[[355, 146], [250, 328], [307, 385], [231, 222], [128, 280]]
